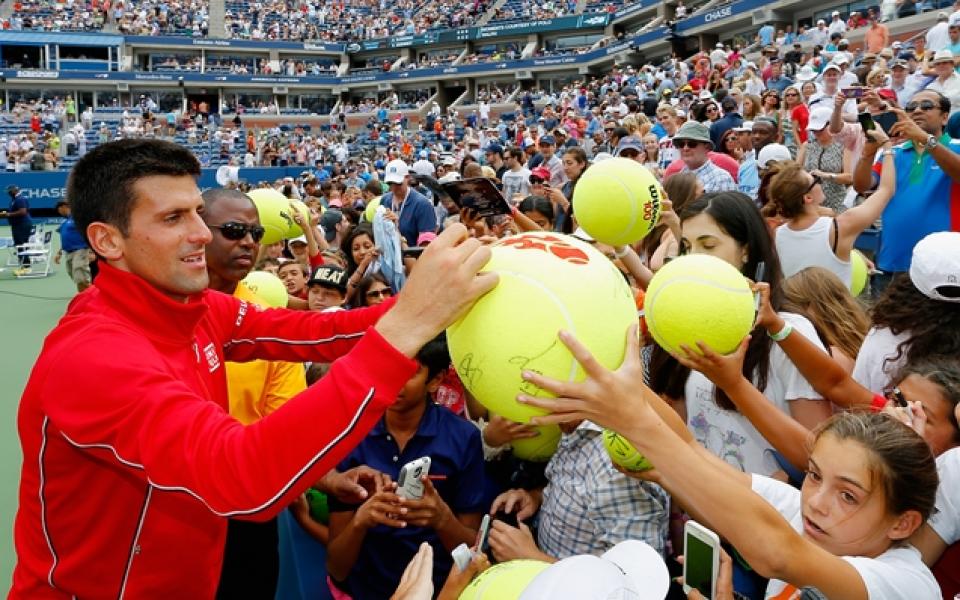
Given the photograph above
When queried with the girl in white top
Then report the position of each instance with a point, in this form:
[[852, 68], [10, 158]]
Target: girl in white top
[[811, 235], [728, 225], [871, 483], [918, 314]]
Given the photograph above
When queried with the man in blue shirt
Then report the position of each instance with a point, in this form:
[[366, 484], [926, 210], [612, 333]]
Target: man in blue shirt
[[21, 225], [927, 196], [371, 544], [730, 119], [74, 246], [414, 213]]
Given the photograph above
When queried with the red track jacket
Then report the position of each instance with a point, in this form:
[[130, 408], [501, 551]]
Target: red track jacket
[[131, 462]]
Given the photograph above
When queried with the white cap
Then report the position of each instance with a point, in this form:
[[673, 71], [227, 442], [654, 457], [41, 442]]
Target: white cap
[[832, 66], [819, 118], [423, 167], [772, 152], [821, 22], [719, 45], [943, 56], [451, 176], [835, 13], [302, 239], [806, 73], [631, 569], [602, 156], [746, 126], [935, 268], [954, 20], [706, 95], [396, 171], [449, 161], [841, 59]]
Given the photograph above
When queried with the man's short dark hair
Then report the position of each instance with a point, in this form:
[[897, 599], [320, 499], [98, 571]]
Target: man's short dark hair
[[515, 152], [100, 188]]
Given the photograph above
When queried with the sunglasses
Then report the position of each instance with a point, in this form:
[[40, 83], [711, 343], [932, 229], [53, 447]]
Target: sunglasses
[[235, 232], [681, 144], [794, 94], [897, 397], [817, 180], [384, 293], [712, 108], [922, 105]]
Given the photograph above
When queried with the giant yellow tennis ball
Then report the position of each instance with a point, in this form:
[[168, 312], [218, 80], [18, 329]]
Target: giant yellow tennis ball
[[548, 282], [274, 211], [504, 581], [623, 453], [617, 201], [295, 230], [371, 209], [267, 287], [698, 297], [540, 448], [858, 276]]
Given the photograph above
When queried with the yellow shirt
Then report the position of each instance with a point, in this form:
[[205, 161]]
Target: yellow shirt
[[259, 387]]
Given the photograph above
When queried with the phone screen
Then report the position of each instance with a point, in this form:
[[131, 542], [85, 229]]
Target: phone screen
[[866, 121], [698, 572]]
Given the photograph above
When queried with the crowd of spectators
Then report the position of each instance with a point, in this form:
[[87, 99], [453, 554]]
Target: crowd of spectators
[[44, 15], [162, 17]]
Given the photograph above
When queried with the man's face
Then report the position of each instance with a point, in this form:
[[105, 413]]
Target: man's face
[[745, 140], [775, 69], [762, 134], [943, 68], [320, 297], [231, 260], [293, 278], [899, 74], [547, 150], [166, 237], [931, 120], [954, 33], [830, 78], [693, 153]]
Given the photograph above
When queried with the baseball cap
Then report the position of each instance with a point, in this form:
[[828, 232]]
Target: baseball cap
[[330, 276], [631, 569], [547, 140], [629, 143], [449, 161], [396, 171], [832, 67], [425, 238], [935, 268], [771, 153], [495, 149], [745, 126], [540, 172], [300, 239], [422, 167], [329, 221], [819, 118]]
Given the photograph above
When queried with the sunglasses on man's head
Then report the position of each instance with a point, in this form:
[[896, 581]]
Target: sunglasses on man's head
[[922, 105], [237, 231], [681, 144]]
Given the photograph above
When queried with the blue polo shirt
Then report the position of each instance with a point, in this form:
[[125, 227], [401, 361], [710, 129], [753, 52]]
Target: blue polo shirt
[[454, 447], [70, 238], [416, 215], [925, 201]]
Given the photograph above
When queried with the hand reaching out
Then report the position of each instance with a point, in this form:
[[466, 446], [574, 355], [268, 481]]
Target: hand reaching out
[[416, 583]]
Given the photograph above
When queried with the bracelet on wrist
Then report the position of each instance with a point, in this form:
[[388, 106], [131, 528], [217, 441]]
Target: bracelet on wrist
[[621, 251], [782, 334]]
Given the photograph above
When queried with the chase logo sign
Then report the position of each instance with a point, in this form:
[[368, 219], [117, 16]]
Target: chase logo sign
[[720, 13]]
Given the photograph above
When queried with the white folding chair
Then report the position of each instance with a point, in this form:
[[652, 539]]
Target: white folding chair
[[40, 254], [35, 238]]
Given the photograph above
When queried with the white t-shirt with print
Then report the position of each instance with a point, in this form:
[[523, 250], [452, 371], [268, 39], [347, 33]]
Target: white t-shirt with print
[[876, 362], [730, 435], [896, 574], [946, 519]]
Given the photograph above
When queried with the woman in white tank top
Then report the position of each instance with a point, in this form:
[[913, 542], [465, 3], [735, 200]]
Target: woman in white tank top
[[811, 236]]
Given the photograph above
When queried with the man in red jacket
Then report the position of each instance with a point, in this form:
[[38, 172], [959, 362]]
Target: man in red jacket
[[131, 462]]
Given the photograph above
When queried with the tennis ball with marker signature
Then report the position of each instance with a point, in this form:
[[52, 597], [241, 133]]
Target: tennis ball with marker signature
[[548, 282]]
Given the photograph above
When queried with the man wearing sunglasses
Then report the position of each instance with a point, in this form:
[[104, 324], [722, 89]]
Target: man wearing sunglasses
[[693, 141], [132, 447], [256, 388], [928, 172]]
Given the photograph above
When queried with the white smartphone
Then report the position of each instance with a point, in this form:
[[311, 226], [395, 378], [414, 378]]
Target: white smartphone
[[482, 534], [409, 483], [701, 562]]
